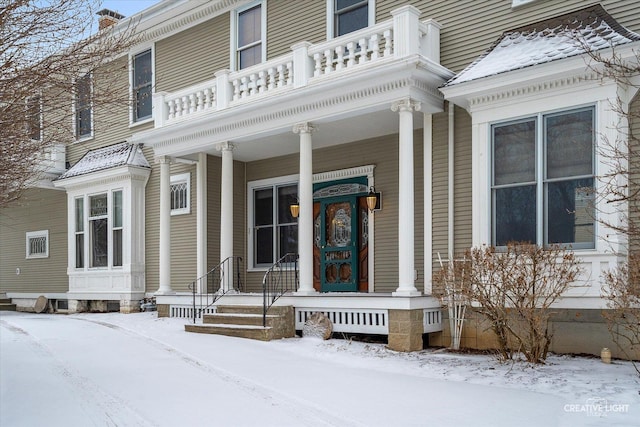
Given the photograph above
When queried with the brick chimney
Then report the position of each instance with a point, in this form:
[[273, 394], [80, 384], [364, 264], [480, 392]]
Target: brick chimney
[[108, 18]]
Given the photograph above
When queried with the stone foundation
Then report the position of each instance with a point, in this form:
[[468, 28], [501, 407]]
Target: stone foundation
[[163, 310], [573, 332], [128, 306], [405, 330], [78, 306]]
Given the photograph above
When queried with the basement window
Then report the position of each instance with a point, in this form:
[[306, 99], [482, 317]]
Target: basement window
[[37, 244]]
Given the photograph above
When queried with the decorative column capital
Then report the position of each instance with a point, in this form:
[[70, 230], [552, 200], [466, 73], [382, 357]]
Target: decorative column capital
[[305, 127], [406, 104], [225, 146], [163, 160]]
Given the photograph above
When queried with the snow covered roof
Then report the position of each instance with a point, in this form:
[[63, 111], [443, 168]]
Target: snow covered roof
[[591, 28], [122, 154]]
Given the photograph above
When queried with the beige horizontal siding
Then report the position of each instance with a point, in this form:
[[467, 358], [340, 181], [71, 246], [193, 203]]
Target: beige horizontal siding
[[440, 176], [471, 26], [194, 55], [37, 210], [462, 180], [290, 22]]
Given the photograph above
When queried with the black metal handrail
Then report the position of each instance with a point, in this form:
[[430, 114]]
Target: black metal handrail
[[218, 282], [281, 278]]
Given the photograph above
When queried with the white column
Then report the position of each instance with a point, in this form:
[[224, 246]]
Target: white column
[[305, 218], [427, 140], [406, 231], [165, 227], [201, 215], [226, 211]]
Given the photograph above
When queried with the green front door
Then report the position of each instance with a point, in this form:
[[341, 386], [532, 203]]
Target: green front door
[[338, 244]]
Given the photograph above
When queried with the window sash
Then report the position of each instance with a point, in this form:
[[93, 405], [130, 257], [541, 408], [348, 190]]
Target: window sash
[[83, 106], [34, 117], [565, 214], [350, 15], [275, 230], [249, 37], [142, 79]]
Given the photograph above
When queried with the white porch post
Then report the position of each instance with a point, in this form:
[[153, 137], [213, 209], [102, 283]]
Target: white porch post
[[427, 140], [201, 214], [406, 250], [165, 227], [305, 218], [226, 210]]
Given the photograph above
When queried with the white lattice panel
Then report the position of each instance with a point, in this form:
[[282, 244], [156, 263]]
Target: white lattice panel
[[432, 320], [359, 321]]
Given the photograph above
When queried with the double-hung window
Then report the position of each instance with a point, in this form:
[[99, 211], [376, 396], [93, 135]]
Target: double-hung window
[[350, 15], [34, 117], [83, 114], [142, 83], [79, 231], [105, 226], [275, 231], [250, 34], [543, 180], [98, 230]]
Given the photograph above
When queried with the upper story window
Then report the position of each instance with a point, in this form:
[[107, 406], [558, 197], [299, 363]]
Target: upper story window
[[38, 244], [249, 35], [543, 179], [142, 85], [180, 194], [83, 107], [346, 16], [274, 230], [34, 117]]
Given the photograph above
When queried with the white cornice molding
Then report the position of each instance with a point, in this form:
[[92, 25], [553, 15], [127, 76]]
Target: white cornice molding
[[541, 88], [366, 170], [105, 177]]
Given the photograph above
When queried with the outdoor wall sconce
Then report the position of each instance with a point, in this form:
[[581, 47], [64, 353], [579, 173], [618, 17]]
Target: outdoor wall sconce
[[295, 209], [374, 200]]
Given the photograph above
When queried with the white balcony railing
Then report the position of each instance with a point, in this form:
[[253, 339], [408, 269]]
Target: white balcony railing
[[399, 37]]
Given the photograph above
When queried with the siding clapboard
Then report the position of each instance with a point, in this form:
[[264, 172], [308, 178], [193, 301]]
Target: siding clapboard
[[291, 22], [38, 209]]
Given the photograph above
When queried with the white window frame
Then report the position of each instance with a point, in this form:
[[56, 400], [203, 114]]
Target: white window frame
[[234, 60], [331, 17], [183, 178], [133, 120], [541, 181], [274, 183], [36, 235], [77, 137], [77, 232]]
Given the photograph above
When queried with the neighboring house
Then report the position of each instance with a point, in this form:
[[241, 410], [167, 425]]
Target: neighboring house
[[458, 113]]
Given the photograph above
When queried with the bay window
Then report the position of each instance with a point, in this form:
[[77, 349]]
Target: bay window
[[104, 222], [543, 180]]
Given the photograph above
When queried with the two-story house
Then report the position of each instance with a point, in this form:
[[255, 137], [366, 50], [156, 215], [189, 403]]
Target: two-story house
[[472, 123]]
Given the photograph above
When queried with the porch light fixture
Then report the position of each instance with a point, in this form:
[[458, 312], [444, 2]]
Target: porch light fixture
[[374, 199], [295, 209]]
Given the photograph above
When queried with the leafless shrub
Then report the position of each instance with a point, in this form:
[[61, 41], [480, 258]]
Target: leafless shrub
[[514, 290]]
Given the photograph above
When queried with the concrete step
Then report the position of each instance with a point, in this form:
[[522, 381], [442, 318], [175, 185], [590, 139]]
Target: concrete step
[[238, 319], [251, 309], [238, 331], [7, 306]]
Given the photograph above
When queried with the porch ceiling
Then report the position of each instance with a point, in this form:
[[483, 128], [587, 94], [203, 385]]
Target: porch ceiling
[[329, 133]]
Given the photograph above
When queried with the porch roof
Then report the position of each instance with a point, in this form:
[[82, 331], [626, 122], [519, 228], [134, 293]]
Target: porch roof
[[121, 154], [572, 34]]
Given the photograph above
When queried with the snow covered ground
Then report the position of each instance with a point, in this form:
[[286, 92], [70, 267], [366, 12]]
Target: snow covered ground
[[138, 370]]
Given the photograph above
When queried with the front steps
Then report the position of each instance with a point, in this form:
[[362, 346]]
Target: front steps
[[245, 321], [6, 305]]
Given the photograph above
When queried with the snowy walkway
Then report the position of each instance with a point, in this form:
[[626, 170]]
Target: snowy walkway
[[137, 370]]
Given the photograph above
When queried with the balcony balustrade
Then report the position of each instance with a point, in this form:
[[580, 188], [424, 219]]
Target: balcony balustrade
[[400, 37]]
